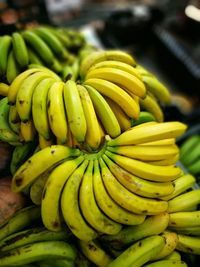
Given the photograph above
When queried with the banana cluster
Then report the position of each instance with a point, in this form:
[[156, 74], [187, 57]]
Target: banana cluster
[[190, 154], [46, 46]]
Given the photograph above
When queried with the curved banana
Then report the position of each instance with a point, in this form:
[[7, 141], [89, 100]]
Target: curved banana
[[188, 244], [137, 185], [99, 56], [43, 142], [39, 163], [5, 46], [12, 69], [4, 88], [191, 231], [122, 78], [166, 162], [193, 153], [184, 219], [104, 112], [167, 263], [110, 207], [144, 116], [127, 199], [34, 59], [70, 206], [146, 132], [175, 255], [117, 94], [194, 168], [50, 205], [187, 147], [93, 134], [20, 49], [140, 252], [162, 142], [75, 112], [27, 130], [145, 170]]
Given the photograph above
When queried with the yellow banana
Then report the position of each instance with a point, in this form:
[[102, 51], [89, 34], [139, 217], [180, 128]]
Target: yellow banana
[[93, 135], [74, 109], [103, 55], [136, 184], [184, 219], [167, 263], [117, 94], [162, 142], [27, 130], [39, 163], [70, 206], [146, 170], [50, 205], [166, 162], [110, 207], [39, 107], [146, 153], [44, 142], [122, 78], [104, 112], [188, 244], [127, 199], [146, 132], [14, 119], [56, 112], [4, 88]]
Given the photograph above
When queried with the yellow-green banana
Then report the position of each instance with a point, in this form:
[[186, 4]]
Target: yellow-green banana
[[188, 244], [5, 45]]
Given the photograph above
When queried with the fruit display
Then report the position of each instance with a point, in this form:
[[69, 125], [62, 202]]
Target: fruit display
[[92, 157]]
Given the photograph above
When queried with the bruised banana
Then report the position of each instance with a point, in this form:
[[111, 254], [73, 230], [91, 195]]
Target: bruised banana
[[188, 244], [27, 130], [184, 219]]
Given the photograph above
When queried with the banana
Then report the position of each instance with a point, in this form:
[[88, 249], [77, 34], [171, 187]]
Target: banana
[[99, 56], [5, 45], [94, 252], [27, 130], [25, 94], [20, 49], [123, 119], [110, 207], [67, 73], [56, 263], [194, 168], [75, 112], [34, 59], [149, 132], [143, 71], [140, 252], [122, 78], [175, 255], [36, 252], [37, 43], [171, 241], [127, 199], [39, 107], [117, 65], [93, 135], [136, 184], [20, 154], [146, 153], [50, 205], [14, 119], [6, 133], [104, 112], [166, 162], [144, 116], [152, 225], [70, 206], [162, 142], [191, 231], [117, 94], [75, 69], [20, 220], [193, 157], [145, 170], [167, 263], [184, 201], [181, 185], [151, 105], [188, 146], [184, 219], [158, 89], [12, 69], [45, 142], [81, 260], [39, 163], [91, 212], [4, 88], [32, 235], [188, 244]]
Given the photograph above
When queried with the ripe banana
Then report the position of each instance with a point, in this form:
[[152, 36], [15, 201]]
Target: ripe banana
[[104, 112], [70, 206], [36, 252], [184, 201], [137, 185], [145, 170], [12, 69], [91, 212], [117, 94], [45, 142], [167, 263], [50, 206], [153, 225], [122, 78], [5, 46], [20, 50], [39, 163], [20, 220], [166, 162], [93, 134], [188, 244], [99, 56], [75, 112], [14, 119], [175, 255], [94, 252], [110, 207], [162, 142], [146, 132], [4, 88], [127, 199], [27, 130], [184, 219], [140, 252]]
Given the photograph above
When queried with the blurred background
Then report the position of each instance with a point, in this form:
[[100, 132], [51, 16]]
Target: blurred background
[[163, 35]]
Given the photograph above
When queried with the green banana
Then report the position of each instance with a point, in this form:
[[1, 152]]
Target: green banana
[[167, 263], [188, 145], [144, 116], [20, 49], [5, 45], [188, 244], [12, 69]]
